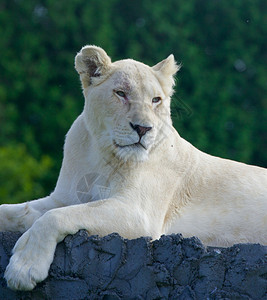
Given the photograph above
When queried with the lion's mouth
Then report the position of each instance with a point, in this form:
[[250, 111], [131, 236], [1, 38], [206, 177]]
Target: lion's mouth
[[139, 144]]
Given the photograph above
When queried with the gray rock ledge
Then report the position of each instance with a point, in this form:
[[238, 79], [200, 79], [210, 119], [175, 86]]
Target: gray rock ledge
[[173, 267]]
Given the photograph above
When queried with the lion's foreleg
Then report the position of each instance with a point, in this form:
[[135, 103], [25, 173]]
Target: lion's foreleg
[[39, 242]]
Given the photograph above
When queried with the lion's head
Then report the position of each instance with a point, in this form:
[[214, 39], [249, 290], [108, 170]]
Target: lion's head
[[127, 103]]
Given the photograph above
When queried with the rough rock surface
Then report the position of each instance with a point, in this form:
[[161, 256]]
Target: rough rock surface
[[173, 267]]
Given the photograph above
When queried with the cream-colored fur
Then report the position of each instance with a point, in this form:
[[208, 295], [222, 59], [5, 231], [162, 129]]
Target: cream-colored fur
[[153, 184]]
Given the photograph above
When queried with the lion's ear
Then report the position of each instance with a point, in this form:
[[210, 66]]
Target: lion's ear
[[166, 70], [167, 67], [91, 61]]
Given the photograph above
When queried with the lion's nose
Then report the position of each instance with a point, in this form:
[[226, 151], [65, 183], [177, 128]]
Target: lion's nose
[[141, 130]]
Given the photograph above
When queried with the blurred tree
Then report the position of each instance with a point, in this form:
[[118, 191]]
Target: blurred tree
[[220, 104], [21, 175]]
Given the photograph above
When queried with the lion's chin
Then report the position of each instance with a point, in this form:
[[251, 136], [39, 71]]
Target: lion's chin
[[132, 153]]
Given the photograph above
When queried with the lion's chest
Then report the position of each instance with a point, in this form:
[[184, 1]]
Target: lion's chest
[[92, 187]]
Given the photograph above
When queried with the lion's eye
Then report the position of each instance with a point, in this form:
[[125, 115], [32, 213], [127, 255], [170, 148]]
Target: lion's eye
[[156, 99], [121, 94]]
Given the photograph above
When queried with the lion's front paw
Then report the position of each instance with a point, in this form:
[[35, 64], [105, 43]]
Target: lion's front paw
[[29, 264], [23, 275], [17, 217]]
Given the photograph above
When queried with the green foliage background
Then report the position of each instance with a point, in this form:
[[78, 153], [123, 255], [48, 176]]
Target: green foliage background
[[220, 103]]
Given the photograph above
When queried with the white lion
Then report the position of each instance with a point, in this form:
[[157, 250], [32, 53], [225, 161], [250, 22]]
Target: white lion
[[123, 152]]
